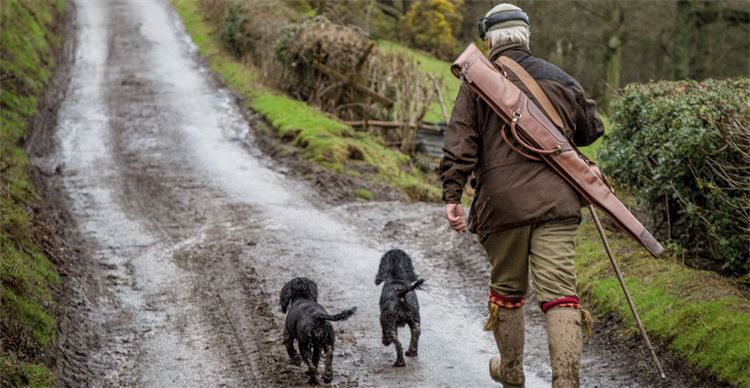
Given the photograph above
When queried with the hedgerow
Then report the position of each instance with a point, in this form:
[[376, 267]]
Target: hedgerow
[[683, 149]]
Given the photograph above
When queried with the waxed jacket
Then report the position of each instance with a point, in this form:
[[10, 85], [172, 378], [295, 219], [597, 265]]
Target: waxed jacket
[[511, 190]]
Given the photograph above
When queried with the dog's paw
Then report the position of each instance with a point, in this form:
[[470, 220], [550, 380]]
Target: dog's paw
[[312, 381], [327, 378], [411, 353], [399, 363]]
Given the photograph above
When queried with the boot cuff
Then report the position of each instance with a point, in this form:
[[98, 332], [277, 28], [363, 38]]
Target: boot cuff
[[566, 301], [497, 302], [505, 301]]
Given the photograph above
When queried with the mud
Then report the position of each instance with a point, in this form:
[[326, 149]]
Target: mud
[[184, 231]]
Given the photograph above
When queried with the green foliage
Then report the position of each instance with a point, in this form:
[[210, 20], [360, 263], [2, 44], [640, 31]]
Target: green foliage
[[431, 25], [363, 193], [234, 34], [17, 373], [683, 149], [704, 317], [27, 328]]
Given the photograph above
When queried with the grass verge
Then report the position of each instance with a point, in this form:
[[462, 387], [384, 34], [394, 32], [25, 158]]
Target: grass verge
[[321, 138], [703, 317], [28, 331]]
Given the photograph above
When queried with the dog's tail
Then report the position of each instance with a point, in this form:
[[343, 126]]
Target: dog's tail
[[344, 315], [415, 286]]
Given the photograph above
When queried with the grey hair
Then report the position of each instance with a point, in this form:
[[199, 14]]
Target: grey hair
[[509, 35]]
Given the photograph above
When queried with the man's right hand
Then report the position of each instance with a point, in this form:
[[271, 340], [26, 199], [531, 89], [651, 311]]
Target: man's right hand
[[454, 212]]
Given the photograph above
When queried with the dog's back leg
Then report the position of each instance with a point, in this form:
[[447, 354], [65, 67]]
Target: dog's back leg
[[328, 371], [305, 350], [416, 329], [393, 337], [316, 356], [386, 324], [294, 358]]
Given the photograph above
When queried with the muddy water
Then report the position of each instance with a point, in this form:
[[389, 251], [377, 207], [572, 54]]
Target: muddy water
[[192, 232]]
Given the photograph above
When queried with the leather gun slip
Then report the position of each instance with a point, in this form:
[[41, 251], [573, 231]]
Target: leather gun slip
[[525, 117]]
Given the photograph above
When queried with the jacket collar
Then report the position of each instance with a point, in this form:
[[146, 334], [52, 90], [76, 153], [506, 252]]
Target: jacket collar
[[513, 50]]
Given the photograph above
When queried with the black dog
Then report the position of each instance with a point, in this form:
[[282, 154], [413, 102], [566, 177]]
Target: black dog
[[398, 301], [309, 323]]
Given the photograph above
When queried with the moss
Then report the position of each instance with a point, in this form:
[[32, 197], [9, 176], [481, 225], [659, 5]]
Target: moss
[[16, 373], [703, 317], [319, 137], [363, 193], [27, 341]]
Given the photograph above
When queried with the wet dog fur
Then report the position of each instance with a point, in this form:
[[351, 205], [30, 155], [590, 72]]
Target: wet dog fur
[[398, 301], [309, 324]]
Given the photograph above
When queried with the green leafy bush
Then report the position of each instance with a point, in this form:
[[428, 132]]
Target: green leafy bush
[[234, 33], [431, 25], [683, 149]]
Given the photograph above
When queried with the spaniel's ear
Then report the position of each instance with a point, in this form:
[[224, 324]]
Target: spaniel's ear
[[312, 289], [408, 269], [286, 297], [385, 268]]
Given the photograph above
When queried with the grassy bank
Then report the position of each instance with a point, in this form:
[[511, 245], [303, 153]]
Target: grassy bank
[[28, 331], [703, 317], [319, 137]]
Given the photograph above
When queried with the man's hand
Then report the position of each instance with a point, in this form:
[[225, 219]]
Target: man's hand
[[454, 212]]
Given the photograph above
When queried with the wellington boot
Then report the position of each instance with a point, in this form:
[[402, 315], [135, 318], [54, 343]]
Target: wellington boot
[[565, 337], [507, 368]]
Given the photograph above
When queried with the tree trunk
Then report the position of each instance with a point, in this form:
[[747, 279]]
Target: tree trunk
[[683, 40], [613, 56]]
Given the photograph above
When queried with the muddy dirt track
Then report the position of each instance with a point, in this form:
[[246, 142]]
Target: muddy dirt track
[[187, 231]]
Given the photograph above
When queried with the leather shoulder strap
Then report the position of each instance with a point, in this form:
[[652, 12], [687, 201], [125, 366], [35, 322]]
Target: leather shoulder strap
[[534, 88]]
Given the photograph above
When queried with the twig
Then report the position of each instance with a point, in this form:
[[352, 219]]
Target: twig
[[440, 98], [391, 124], [364, 89]]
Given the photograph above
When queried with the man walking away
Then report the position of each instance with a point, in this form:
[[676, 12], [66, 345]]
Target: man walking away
[[525, 215]]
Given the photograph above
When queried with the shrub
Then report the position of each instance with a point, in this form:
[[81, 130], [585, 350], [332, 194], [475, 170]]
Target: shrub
[[431, 25], [303, 47], [683, 149], [248, 29], [235, 34]]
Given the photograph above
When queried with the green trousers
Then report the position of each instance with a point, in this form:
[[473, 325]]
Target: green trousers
[[543, 252]]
